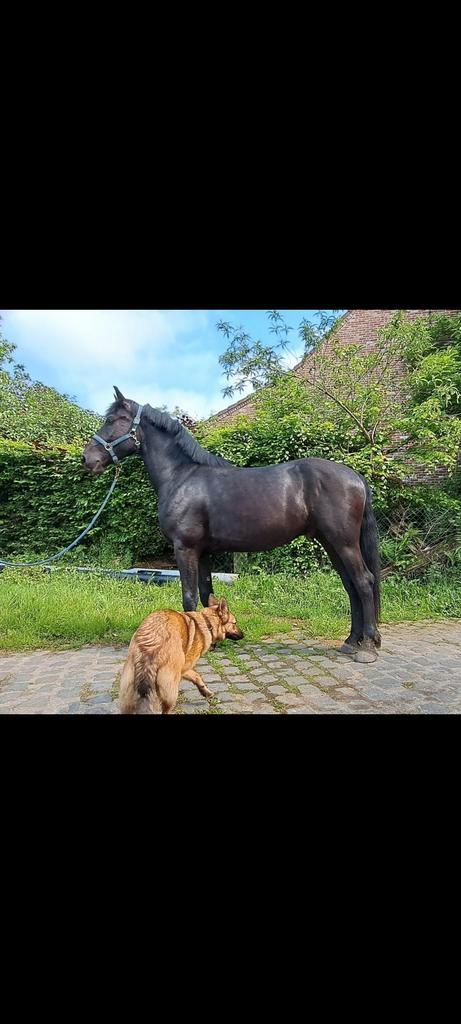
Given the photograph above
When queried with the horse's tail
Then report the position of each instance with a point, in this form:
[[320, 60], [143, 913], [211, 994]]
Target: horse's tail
[[369, 546]]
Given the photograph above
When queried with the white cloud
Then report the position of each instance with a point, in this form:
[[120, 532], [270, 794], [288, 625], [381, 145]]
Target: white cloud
[[99, 335], [196, 404], [85, 352], [164, 357]]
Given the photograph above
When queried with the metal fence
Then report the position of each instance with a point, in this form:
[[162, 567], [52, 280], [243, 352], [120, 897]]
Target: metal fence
[[412, 541]]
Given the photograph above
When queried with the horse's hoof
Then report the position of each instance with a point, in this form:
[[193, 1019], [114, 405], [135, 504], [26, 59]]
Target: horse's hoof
[[349, 648], [366, 657]]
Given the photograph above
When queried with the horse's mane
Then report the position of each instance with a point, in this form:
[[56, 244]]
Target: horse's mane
[[184, 439]]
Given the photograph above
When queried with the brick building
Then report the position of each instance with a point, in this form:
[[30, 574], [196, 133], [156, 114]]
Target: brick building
[[356, 327]]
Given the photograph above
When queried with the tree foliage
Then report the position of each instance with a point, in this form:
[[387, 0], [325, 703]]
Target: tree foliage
[[47, 498], [31, 411], [258, 363]]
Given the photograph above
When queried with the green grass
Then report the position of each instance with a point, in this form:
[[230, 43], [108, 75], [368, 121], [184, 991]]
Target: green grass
[[66, 609]]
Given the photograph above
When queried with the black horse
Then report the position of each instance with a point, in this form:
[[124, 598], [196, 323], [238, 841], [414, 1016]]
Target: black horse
[[206, 504]]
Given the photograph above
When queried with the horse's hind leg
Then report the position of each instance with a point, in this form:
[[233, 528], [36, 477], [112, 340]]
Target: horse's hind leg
[[362, 579], [205, 583], [351, 644]]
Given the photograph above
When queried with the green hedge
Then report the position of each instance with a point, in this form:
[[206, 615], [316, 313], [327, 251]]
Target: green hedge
[[47, 499]]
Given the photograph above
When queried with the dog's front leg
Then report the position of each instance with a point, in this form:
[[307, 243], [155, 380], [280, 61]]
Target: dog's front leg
[[195, 678]]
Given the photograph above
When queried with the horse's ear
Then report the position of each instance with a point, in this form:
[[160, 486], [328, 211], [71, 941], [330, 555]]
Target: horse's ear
[[118, 394]]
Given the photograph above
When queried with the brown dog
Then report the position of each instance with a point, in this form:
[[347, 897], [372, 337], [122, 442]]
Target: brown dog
[[165, 649]]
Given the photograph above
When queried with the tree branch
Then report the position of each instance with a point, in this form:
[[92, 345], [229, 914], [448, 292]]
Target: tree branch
[[329, 394]]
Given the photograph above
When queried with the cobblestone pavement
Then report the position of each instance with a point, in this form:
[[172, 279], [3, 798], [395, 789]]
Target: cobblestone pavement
[[418, 672]]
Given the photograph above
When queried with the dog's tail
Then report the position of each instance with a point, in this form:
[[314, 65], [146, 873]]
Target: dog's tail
[[128, 694], [138, 694]]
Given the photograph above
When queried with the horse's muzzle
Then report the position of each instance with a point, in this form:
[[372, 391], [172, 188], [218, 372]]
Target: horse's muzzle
[[94, 464]]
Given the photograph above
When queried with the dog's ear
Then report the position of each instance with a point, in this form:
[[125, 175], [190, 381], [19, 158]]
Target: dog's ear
[[212, 602], [223, 611]]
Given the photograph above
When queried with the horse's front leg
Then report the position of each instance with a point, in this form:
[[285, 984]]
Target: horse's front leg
[[205, 583], [187, 560]]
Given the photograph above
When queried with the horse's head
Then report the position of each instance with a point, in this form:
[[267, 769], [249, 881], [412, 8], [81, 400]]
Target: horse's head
[[121, 421]]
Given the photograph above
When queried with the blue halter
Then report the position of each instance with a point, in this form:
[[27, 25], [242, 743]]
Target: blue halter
[[110, 445]]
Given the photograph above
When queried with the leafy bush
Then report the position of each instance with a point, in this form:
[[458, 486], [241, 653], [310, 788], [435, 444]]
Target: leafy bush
[[31, 411], [301, 557], [47, 498]]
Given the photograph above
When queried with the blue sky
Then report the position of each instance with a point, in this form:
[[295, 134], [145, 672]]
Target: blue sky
[[164, 357]]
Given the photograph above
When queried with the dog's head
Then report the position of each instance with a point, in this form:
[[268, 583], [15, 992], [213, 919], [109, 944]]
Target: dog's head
[[222, 623]]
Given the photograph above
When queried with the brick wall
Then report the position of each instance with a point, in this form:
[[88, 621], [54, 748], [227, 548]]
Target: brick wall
[[357, 327], [361, 326]]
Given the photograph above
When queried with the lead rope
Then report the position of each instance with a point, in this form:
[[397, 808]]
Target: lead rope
[[59, 554]]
